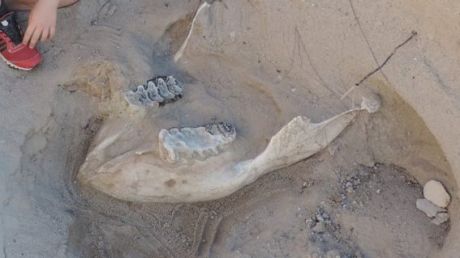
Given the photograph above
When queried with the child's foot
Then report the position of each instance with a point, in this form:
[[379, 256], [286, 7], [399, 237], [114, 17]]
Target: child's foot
[[12, 51]]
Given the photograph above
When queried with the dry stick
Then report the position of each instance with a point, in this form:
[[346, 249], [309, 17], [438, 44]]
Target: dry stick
[[414, 33]]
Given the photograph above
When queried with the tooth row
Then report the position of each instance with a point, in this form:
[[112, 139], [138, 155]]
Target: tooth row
[[222, 128], [157, 91], [195, 143]]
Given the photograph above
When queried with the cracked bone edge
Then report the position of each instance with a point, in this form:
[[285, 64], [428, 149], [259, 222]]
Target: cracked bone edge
[[181, 50], [146, 179], [298, 140]]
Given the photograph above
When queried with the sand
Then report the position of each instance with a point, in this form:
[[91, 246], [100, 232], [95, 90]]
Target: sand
[[257, 64]]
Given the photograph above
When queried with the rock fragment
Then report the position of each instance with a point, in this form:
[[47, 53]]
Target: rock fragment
[[435, 192], [440, 218], [439, 215], [320, 227], [428, 208]]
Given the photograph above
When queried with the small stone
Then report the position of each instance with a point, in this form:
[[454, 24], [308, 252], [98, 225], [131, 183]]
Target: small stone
[[324, 216], [319, 217], [435, 192], [304, 186], [440, 218], [349, 187], [320, 227], [428, 207]]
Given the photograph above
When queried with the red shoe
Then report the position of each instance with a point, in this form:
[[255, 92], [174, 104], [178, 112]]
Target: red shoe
[[12, 51]]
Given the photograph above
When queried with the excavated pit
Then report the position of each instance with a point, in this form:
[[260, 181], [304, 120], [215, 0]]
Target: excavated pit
[[239, 64]]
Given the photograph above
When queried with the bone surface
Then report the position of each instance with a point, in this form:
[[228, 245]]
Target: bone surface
[[146, 177], [179, 144], [157, 91]]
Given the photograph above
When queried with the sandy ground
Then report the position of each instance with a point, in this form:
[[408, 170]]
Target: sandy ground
[[354, 199]]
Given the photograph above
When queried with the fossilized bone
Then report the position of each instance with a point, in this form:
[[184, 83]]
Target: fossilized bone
[[199, 143], [143, 176], [157, 91]]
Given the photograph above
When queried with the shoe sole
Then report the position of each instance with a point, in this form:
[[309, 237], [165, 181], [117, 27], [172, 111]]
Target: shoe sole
[[13, 65]]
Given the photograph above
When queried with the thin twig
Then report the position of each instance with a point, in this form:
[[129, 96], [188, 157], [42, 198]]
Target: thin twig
[[414, 33]]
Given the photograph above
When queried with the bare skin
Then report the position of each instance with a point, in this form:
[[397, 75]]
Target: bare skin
[[27, 5], [42, 19]]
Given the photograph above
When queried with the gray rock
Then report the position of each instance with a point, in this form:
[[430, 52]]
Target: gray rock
[[320, 227], [428, 207], [440, 218]]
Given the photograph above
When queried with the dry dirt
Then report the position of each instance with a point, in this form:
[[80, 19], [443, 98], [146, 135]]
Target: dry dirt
[[354, 199]]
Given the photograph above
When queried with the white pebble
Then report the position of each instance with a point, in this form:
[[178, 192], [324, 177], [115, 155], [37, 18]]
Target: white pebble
[[435, 192]]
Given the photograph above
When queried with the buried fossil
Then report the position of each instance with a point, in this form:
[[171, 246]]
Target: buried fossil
[[144, 176], [178, 144], [157, 91]]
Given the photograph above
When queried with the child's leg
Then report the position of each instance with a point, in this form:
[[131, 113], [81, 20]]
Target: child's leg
[[28, 4]]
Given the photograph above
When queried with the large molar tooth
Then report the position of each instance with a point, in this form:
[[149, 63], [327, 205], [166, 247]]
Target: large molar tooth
[[174, 86], [221, 128], [198, 143], [163, 89], [226, 128], [152, 92], [138, 96], [159, 90]]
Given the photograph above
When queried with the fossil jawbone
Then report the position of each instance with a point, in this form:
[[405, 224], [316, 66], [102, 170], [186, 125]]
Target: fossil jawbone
[[143, 177]]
